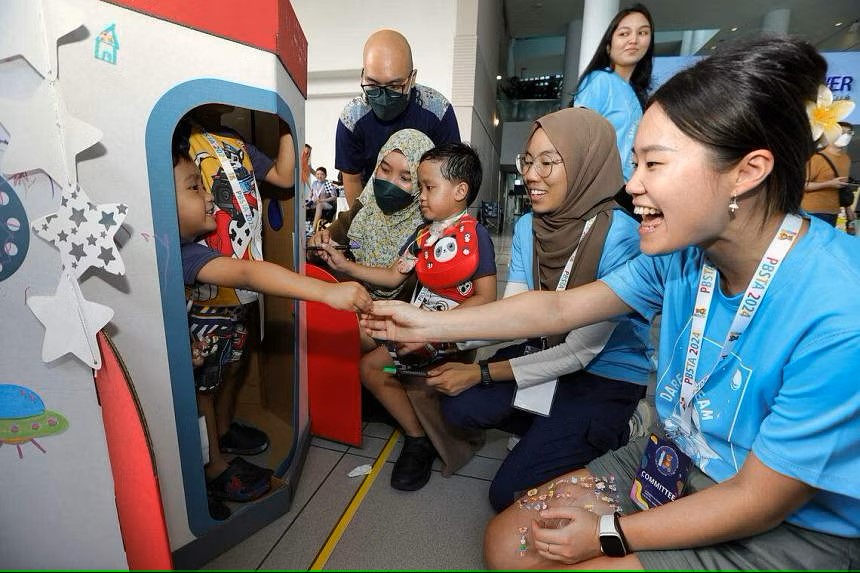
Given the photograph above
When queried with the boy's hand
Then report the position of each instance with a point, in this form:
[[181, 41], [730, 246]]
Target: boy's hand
[[198, 347], [347, 296]]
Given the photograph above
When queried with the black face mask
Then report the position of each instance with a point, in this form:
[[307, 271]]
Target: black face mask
[[389, 104], [390, 197]]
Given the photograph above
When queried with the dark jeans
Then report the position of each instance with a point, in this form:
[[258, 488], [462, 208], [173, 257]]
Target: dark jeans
[[588, 418]]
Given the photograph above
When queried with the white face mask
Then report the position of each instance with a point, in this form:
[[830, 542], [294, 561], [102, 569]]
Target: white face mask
[[843, 140]]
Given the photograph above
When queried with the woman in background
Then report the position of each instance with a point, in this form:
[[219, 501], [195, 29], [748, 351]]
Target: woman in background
[[615, 83]]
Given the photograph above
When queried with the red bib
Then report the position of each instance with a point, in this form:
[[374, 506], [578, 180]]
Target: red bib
[[451, 260]]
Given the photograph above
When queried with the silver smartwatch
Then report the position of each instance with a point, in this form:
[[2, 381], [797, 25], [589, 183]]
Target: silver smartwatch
[[612, 541]]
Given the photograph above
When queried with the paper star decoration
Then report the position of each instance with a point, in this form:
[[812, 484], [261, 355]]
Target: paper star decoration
[[43, 135], [37, 31], [83, 232], [71, 322]]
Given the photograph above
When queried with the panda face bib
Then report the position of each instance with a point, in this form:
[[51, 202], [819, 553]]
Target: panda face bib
[[448, 258]]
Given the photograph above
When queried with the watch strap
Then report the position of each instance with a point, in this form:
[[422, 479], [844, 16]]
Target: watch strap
[[486, 379], [612, 540]]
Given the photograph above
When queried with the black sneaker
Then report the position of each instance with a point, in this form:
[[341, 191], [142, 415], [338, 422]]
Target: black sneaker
[[412, 469], [218, 510], [243, 440]]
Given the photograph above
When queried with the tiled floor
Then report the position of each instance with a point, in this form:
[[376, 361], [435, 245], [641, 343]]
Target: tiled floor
[[440, 526], [391, 529]]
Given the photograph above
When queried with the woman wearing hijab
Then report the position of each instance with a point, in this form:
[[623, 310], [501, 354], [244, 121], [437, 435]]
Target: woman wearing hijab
[[571, 402], [377, 226], [386, 212]]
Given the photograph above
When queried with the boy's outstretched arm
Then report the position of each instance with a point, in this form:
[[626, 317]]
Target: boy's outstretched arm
[[269, 278], [283, 170]]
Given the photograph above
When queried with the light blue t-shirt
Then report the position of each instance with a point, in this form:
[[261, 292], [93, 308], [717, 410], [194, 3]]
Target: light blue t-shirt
[[625, 356], [609, 95], [790, 389]]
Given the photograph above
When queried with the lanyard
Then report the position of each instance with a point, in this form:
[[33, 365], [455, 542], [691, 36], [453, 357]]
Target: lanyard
[[747, 309], [565, 274], [238, 192]]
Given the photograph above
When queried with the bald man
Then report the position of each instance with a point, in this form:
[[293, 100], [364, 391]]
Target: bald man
[[390, 101]]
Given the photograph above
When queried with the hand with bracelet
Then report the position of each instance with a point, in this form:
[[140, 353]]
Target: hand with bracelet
[[452, 378]]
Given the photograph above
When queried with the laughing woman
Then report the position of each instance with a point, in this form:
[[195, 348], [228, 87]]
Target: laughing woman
[[758, 346]]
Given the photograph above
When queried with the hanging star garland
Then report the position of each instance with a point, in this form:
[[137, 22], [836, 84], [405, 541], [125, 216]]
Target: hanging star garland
[[43, 135], [37, 31], [70, 332], [83, 232]]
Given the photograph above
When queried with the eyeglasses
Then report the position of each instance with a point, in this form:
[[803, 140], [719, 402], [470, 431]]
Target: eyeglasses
[[543, 164], [395, 91]]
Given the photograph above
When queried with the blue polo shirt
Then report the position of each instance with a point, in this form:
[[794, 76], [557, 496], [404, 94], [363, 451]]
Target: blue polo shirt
[[360, 134]]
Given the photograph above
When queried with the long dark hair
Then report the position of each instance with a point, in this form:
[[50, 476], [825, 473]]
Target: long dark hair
[[751, 95], [640, 80]]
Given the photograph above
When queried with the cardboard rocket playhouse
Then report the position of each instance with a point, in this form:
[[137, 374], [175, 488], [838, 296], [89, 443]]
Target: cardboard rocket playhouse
[[101, 457]]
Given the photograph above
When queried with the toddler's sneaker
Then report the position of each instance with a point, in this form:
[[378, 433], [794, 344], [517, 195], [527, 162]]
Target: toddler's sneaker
[[243, 440]]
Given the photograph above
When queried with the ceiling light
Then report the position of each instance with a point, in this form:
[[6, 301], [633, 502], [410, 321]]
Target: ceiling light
[[837, 24], [735, 29], [498, 77]]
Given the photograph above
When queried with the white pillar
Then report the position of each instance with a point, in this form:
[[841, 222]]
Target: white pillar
[[571, 60], [694, 40], [687, 43], [776, 21], [511, 68], [596, 16]]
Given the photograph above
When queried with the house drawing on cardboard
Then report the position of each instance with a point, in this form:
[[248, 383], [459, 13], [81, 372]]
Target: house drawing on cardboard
[[107, 45]]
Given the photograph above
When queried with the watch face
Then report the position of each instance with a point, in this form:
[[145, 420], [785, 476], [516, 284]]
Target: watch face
[[612, 545]]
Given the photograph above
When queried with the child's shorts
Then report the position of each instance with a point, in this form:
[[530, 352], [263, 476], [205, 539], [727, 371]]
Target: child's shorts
[[218, 335]]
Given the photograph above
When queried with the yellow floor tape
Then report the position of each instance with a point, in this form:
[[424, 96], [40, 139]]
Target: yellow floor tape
[[348, 513]]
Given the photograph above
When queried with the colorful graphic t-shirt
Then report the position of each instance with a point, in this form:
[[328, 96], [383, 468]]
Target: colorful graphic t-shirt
[[239, 230]]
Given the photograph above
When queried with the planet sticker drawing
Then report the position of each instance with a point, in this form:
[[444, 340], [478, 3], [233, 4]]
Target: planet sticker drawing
[[14, 231], [23, 418]]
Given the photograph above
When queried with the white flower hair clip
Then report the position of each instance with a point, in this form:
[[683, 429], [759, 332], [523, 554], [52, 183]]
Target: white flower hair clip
[[825, 114]]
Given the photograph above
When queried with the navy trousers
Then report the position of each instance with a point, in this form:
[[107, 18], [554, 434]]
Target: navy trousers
[[588, 418]]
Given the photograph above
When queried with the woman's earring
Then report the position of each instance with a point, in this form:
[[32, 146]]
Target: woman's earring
[[733, 205]]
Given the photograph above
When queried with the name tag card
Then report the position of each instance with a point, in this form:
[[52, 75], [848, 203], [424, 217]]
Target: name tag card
[[662, 474]]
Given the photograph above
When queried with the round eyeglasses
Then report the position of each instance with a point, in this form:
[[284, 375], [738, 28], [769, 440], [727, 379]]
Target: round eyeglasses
[[542, 165]]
